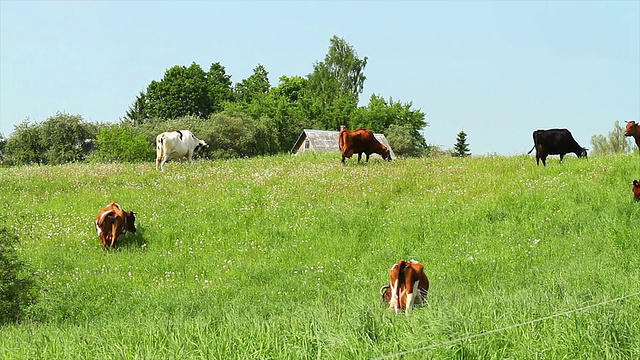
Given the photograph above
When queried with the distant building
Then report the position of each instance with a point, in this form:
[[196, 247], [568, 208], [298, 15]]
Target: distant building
[[327, 141]]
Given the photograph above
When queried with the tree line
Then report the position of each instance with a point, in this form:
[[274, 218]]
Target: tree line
[[243, 119], [248, 118]]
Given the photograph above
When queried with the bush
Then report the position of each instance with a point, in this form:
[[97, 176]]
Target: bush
[[405, 141], [118, 143], [17, 289], [59, 139]]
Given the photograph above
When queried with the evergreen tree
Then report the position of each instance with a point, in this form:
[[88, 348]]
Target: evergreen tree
[[461, 148]]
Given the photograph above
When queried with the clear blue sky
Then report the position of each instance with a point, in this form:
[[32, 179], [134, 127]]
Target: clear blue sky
[[497, 70]]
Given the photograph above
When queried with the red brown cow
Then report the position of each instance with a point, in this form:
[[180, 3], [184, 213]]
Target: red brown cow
[[360, 141], [408, 285], [636, 190], [633, 129], [112, 222]]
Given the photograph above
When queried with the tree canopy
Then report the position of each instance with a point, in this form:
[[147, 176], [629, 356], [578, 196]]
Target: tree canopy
[[614, 143], [247, 118]]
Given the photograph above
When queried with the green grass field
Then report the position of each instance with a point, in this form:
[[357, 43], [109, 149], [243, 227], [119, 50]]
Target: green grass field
[[282, 258]]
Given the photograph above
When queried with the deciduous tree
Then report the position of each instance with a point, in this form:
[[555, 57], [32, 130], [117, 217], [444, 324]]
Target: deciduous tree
[[255, 86], [614, 143], [335, 84]]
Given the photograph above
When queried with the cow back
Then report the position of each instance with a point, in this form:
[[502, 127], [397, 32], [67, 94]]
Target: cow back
[[557, 141], [361, 141]]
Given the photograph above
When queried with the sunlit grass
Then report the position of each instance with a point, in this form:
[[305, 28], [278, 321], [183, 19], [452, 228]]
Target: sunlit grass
[[282, 257]]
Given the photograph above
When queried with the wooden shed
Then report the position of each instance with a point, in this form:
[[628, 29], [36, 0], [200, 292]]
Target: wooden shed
[[327, 141]]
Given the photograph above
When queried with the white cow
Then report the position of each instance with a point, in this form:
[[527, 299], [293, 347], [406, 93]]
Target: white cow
[[177, 144]]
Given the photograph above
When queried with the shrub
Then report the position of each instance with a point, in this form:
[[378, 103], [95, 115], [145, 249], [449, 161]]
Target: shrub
[[16, 287], [118, 143]]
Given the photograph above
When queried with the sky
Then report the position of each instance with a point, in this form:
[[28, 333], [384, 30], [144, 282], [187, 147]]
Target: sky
[[497, 70]]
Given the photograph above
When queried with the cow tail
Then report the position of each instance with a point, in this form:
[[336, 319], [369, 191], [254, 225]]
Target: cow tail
[[159, 149], [534, 146], [401, 278], [114, 231]]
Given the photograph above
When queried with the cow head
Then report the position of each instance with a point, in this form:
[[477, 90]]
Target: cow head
[[636, 190], [582, 153], [200, 148], [385, 292], [386, 154], [129, 221], [632, 128]]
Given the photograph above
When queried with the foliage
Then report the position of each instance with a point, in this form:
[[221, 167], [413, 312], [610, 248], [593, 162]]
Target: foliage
[[16, 286], [120, 143], [3, 146], [188, 91], [433, 150], [200, 127], [24, 146], [335, 84], [403, 142], [137, 113], [187, 97], [232, 136], [614, 143], [65, 138], [255, 86], [271, 257], [461, 148], [380, 115], [59, 139]]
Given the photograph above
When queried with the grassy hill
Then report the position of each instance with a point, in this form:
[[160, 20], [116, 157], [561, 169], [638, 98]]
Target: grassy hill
[[282, 258]]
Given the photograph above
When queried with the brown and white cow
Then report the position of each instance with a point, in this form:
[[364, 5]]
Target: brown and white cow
[[408, 286], [112, 222], [633, 129], [636, 190], [360, 141], [177, 144]]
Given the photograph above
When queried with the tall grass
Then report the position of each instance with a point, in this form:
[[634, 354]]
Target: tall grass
[[282, 258]]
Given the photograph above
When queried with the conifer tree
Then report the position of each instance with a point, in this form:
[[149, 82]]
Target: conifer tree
[[461, 148]]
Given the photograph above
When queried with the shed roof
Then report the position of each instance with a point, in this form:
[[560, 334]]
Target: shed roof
[[327, 141]]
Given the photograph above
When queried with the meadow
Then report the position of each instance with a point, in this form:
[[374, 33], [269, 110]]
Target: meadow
[[282, 258]]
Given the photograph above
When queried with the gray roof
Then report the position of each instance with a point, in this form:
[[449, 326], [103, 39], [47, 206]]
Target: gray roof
[[327, 141]]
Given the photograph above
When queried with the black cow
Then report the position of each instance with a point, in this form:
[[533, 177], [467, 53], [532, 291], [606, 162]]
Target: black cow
[[555, 142]]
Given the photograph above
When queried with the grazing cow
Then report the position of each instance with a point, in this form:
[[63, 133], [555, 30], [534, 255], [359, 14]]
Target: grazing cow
[[636, 190], [633, 129], [555, 142], [112, 222], [360, 141], [408, 285], [176, 145]]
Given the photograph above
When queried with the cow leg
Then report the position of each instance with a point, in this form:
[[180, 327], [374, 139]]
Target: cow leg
[[409, 302], [561, 157], [190, 156], [395, 301], [359, 156], [346, 154], [165, 159], [367, 157], [544, 160]]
